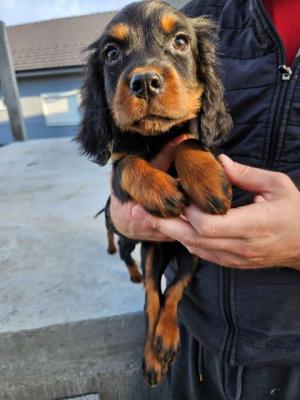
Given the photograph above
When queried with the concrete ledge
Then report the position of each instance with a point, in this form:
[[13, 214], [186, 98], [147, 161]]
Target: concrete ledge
[[100, 356]]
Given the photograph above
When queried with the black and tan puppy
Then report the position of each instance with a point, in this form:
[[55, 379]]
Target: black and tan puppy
[[151, 76]]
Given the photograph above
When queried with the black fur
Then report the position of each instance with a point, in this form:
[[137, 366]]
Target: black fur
[[95, 136], [215, 122]]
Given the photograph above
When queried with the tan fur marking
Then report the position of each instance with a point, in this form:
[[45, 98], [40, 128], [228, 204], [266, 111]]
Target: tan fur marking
[[180, 101], [151, 187], [175, 293], [120, 31], [153, 303], [168, 23], [140, 70], [167, 328]]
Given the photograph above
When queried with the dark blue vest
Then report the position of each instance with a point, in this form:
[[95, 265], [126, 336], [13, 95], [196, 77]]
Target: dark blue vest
[[251, 316]]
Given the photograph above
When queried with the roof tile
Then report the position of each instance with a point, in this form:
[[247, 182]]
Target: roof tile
[[56, 43]]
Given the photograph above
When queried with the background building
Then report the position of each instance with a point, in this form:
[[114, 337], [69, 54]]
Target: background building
[[48, 57]]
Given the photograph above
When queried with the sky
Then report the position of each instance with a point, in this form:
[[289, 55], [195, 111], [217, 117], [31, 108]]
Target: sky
[[14, 12]]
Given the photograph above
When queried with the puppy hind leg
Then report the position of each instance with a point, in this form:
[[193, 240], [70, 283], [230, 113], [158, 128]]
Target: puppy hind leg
[[126, 247], [111, 247], [135, 275]]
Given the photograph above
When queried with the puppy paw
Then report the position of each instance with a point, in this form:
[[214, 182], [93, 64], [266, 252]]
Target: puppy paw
[[111, 249], [203, 180], [164, 198], [167, 337], [153, 369], [214, 196], [134, 273], [159, 193]]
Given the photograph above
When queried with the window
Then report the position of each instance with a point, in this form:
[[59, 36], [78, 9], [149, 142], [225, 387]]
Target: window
[[61, 109]]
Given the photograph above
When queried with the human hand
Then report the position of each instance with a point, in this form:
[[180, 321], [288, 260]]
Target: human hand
[[128, 218], [263, 234]]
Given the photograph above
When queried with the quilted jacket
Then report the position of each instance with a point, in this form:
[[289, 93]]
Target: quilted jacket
[[251, 316]]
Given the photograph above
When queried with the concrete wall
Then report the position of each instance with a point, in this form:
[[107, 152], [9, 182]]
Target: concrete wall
[[100, 357], [30, 92]]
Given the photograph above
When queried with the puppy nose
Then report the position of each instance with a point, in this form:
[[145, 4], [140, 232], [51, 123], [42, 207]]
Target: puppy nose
[[146, 85]]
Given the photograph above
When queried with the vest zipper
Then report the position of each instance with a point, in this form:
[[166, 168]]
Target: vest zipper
[[286, 74]]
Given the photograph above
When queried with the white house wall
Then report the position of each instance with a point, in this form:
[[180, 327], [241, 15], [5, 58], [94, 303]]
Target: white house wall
[[31, 102]]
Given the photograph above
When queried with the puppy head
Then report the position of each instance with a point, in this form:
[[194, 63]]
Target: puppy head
[[153, 68]]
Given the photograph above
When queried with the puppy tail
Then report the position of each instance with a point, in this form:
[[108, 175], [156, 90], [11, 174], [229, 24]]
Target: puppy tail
[[99, 212]]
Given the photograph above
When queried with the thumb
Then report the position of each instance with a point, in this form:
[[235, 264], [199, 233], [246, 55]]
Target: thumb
[[251, 179]]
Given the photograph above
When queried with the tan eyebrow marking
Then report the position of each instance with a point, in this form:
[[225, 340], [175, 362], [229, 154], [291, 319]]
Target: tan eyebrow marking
[[168, 22], [120, 31]]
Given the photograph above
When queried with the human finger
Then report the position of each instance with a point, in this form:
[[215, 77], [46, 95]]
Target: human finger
[[222, 258], [237, 223], [176, 228], [128, 223], [256, 180]]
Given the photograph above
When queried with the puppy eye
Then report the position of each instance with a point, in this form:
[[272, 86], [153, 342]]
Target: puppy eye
[[111, 54], [180, 42]]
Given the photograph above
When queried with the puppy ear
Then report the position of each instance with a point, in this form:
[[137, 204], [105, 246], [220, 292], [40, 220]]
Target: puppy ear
[[95, 135], [215, 122]]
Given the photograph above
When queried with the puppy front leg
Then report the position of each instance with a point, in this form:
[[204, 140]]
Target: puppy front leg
[[136, 179], [202, 177]]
